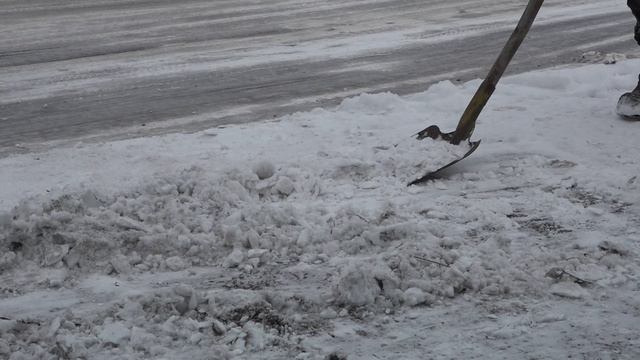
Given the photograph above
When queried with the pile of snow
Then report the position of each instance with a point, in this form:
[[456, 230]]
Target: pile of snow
[[299, 238]]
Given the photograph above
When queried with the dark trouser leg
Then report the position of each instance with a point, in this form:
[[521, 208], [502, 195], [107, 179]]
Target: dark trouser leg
[[629, 103], [634, 5]]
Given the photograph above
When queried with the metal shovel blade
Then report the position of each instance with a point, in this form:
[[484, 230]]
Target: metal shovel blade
[[467, 122], [434, 132]]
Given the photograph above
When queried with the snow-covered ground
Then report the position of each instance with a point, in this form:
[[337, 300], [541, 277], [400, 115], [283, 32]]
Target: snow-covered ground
[[299, 239]]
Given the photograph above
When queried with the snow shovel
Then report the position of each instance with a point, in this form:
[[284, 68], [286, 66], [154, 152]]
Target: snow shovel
[[467, 122]]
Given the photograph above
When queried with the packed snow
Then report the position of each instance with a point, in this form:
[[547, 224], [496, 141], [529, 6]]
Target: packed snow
[[299, 239]]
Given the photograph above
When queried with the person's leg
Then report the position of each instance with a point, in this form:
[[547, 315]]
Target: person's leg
[[634, 5], [629, 103]]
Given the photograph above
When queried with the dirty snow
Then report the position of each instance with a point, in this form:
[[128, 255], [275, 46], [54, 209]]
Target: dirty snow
[[298, 238]]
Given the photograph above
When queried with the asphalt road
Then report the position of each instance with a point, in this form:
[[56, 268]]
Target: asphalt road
[[96, 69]]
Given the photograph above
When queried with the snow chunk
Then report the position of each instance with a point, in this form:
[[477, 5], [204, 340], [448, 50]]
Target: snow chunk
[[569, 290], [54, 254], [141, 339], [284, 186], [360, 284], [414, 296], [548, 317], [615, 247], [233, 303], [235, 258], [218, 327], [7, 259], [256, 337], [5, 349], [176, 263], [115, 333], [121, 264], [264, 169]]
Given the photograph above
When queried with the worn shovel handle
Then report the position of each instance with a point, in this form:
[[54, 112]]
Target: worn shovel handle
[[467, 122]]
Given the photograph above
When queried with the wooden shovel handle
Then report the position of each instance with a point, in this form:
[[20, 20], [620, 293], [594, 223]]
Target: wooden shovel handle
[[467, 122]]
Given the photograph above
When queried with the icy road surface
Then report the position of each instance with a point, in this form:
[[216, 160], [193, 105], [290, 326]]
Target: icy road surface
[[71, 69]]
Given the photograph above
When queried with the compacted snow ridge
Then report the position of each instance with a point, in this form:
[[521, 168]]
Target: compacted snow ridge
[[299, 239]]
